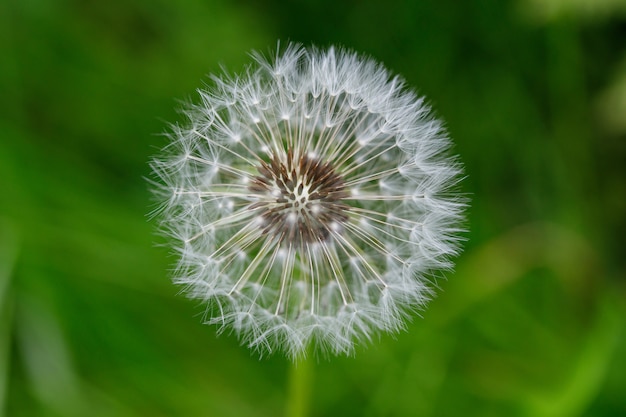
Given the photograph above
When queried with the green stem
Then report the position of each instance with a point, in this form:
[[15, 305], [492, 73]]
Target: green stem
[[299, 388]]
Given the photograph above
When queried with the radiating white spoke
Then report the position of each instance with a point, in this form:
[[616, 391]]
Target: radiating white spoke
[[355, 165], [375, 243], [268, 245], [228, 168], [230, 151], [372, 177], [379, 197], [285, 279], [337, 271], [363, 212], [351, 250]]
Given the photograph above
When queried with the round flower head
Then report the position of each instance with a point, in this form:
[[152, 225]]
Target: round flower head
[[310, 200]]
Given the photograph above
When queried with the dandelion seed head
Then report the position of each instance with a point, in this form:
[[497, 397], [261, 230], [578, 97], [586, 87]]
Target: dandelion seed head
[[309, 199]]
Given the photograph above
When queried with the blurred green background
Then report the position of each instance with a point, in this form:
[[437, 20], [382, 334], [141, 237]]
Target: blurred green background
[[530, 324]]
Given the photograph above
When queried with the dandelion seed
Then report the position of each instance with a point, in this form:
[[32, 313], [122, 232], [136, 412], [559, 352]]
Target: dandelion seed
[[310, 200]]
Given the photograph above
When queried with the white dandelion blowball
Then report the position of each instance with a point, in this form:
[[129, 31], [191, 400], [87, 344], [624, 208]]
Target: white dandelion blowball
[[309, 199]]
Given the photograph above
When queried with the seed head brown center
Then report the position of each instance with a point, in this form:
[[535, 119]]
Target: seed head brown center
[[299, 198]]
